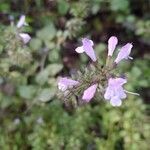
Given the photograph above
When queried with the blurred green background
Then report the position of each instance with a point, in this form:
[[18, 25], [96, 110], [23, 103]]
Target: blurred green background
[[31, 115]]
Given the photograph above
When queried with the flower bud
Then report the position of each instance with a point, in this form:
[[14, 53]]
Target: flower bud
[[21, 21], [124, 53], [89, 93], [112, 42]]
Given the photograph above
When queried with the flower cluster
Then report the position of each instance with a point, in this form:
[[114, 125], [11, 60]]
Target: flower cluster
[[24, 36], [102, 80]]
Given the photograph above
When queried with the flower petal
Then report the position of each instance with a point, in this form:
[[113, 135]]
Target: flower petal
[[108, 93], [92, 43], [25, 37], [89, 93], [124, 52], [116, 81], [79, 49], [120, 92], [21, 22], [115, 101], [62, 87], [112, 42], [87, 46], [115, 88], [120, 81]]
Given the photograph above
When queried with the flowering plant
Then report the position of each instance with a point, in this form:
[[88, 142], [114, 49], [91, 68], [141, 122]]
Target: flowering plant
[[24, 36], [98, 80]]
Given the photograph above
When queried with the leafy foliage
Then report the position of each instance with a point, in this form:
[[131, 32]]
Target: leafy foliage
[[31, 115]]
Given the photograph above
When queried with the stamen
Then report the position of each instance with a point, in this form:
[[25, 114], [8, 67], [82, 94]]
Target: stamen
[[132, 93]]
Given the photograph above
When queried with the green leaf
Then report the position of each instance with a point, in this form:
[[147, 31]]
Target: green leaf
[[63, 7], [49, 44], [47, 33], [50, 70], [54, 56], [53, 69], [27, 92], [4, 7], [119, 5], [136, 71], [42, 77], [46, 94], [35, 44], [143, 83]]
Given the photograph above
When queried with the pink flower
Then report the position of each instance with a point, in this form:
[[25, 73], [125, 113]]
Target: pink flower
[[124, 53], [89, 93], [114, 91], [65, 83], [21, 21], [112, 42], [25, 37], [87, 47]]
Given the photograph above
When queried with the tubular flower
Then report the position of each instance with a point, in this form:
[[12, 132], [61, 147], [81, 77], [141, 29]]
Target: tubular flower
[[24, 36], [114, 91], [96, 75], [89, 93], [124, 53], [65, 83], [21, 21], [87, 47], [112, 42]]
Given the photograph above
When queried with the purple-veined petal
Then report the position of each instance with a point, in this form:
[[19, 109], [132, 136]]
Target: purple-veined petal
[[79, 49], [89, 93], [65, 83], [115, 101], [112, 42], [25, 37], [124, 53], [87, 46], [21, 21]]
